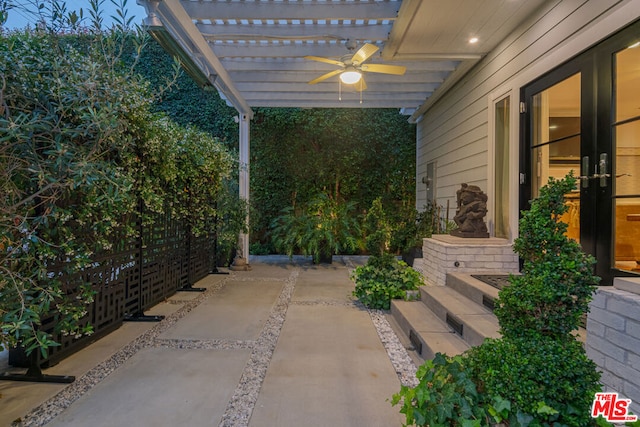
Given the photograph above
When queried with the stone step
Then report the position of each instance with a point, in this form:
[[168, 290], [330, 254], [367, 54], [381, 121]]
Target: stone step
[[472, 321], [629, 284], [474, 289], [428, 334]]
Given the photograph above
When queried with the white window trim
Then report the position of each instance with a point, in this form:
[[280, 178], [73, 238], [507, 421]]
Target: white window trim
[[514, 153]]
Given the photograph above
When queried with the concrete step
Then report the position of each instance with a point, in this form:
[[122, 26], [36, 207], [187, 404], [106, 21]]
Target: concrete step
[[474, 289], [629, 284], [472, 321], [428, 334]]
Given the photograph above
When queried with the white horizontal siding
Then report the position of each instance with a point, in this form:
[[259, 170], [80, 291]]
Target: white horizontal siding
[[454, 131]]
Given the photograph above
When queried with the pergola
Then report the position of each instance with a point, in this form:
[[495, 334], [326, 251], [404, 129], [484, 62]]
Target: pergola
[[253, 51]]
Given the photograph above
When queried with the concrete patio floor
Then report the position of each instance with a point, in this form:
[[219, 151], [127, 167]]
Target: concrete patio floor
[[284, 344]]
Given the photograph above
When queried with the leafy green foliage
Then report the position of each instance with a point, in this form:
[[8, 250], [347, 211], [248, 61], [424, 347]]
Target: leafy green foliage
[[382, 279], [323, 227], [445, 396], [355, 155], [530, 372], [557, 283], [186, 104], [538, 362], [377, 229], [231, 220], [63, 127], [413, 226], [80, 150]]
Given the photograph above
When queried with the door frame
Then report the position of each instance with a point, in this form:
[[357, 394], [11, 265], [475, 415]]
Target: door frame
[[596, 124]]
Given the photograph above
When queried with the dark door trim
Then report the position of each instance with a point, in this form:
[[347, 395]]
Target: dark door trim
[[596, 126]]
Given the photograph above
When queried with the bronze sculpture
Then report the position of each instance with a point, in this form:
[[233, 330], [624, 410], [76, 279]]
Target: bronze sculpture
[[472, 208]]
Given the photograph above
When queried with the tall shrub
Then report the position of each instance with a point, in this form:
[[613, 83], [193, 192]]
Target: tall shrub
[[80, 149], [538, 361], [63, 130], [557, 280]]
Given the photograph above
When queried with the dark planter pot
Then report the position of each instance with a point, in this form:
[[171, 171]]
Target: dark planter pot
[[323, 259], [225, 258], [410, 255]]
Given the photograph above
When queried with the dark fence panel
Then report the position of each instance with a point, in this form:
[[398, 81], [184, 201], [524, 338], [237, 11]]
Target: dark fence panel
[[136, 275], [202, 257]]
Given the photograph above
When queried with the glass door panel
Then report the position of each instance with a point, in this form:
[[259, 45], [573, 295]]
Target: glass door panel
[[626, 224], [556, 142]]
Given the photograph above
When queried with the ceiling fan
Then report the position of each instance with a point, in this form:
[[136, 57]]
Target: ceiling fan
[[352, 66]]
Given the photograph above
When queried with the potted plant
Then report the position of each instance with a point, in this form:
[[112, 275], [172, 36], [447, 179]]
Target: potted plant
[[416, 226]]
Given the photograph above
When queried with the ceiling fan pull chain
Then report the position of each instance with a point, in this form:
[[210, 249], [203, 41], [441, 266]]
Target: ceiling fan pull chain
[[339, 90], [361, 81]]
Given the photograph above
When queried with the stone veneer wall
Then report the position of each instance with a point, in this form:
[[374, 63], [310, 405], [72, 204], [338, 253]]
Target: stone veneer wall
[[443, 254], [613, 338]]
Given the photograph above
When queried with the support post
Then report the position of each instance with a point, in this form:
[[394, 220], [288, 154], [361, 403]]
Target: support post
[[244, 176]]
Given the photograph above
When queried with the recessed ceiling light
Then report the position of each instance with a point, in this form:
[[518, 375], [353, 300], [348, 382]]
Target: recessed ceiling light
[[473, 40]]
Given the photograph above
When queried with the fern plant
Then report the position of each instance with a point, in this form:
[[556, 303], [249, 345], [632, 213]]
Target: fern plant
[[322, 228]]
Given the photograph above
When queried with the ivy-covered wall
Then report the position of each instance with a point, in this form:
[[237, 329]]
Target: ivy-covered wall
[[354, 155], [187, 104]]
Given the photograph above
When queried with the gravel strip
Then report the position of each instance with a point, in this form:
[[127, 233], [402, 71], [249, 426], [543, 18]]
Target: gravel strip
[[328, 302], [400, 359], [240, 407], [204, 344]]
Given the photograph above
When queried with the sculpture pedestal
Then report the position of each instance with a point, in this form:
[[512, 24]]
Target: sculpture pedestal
[[443, 253], [470, 234]]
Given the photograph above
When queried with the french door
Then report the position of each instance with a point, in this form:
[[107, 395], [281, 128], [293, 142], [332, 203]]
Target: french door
[[584, 117]]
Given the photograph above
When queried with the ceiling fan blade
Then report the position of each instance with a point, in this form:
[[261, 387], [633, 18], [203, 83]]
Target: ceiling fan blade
[[325, 76], [398, 70], [326, 60], [364, 53]]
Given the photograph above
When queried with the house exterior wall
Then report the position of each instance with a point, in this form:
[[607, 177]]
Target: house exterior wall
[[455, 131], [613, 339]]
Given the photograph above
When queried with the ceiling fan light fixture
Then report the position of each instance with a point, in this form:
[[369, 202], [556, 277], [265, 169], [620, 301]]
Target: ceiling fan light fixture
[[351, 76]]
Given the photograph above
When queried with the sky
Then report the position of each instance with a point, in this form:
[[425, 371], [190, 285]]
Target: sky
[[19, 18]]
